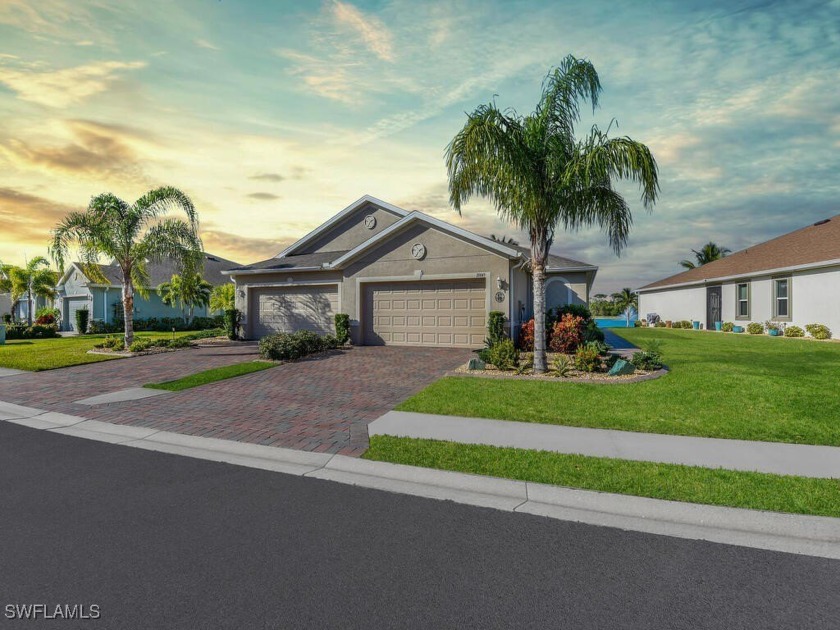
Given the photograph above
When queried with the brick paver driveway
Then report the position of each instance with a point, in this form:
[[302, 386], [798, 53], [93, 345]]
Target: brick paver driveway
[[319, 404]]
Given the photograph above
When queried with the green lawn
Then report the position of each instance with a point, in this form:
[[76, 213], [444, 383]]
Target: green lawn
[[720, 385], [758, 491], [48, 354], [211, 376]]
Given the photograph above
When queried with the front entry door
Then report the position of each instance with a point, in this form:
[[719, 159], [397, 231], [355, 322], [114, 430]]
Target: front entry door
[[714, 299]]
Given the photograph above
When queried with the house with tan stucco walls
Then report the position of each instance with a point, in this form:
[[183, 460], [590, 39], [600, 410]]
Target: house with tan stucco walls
[[404, 278]]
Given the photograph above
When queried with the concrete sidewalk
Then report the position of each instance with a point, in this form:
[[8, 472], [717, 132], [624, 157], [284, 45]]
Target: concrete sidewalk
[[790, 533], [767, 457]]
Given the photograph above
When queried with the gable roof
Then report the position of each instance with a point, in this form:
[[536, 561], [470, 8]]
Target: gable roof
[[288, 261], [160, 272], [325, 227], [812, 246], [414, 217]]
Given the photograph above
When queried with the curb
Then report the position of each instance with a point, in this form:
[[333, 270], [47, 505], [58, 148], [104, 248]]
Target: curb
[[790, 533]]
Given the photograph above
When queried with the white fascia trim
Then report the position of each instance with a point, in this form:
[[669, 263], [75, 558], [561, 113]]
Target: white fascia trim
[[251, 272], [338, 217], [579, 268], [741, 276], [67, 274], [441, 225]]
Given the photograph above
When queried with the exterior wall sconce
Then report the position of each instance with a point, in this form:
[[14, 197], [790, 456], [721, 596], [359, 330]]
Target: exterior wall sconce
[[498, 283], [241, 293]]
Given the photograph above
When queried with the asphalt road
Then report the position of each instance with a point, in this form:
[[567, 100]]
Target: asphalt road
[[161, 541]]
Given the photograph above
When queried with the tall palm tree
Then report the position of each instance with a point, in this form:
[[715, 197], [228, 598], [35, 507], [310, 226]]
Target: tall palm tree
[[540, 176], [709, 252], [625, 300], [132, 235], [188, 291], [33, 280]]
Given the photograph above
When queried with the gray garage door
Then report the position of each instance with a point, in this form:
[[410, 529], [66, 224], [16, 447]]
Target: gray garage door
[[71, 305], [287, 309], [436, 313]]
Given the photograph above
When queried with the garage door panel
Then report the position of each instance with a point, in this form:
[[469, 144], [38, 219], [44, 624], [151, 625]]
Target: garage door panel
[[450, 313], [287, 309]]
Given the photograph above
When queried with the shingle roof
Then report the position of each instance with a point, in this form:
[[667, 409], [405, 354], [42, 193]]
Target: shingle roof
[[814, 244], [292, 262], [553, 259], [163, 271]]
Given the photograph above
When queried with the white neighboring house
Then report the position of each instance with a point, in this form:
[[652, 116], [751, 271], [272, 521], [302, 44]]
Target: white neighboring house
[[793, 279]]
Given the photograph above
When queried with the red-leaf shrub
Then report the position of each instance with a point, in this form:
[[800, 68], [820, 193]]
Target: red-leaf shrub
[[567, 334], [45, 320], [526, 335]]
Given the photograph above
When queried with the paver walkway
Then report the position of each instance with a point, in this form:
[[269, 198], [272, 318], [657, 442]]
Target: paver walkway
[[321, 404], [769, 457]]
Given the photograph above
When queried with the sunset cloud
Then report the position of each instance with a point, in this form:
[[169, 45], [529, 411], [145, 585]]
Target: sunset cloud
[[66, 86], [369, 29]]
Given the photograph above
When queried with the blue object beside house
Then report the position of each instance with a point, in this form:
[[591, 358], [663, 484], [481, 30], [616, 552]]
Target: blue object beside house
[[76, 291]]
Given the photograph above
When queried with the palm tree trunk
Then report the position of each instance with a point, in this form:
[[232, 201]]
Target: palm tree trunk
[[538, 273], [29, 305], [128, 310]]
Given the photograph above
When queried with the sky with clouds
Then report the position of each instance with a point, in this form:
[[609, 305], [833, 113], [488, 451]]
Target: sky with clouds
[[273, 116]]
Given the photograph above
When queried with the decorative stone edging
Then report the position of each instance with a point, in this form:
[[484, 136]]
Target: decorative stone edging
[[615, 380]]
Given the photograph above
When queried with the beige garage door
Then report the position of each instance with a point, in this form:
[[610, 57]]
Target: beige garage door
[[287, 309], [435, 313]]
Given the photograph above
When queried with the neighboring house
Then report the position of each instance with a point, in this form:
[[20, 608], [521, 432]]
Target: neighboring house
[[21, 313], [405, 278], [76, 291], [5, 304], [794, 278]]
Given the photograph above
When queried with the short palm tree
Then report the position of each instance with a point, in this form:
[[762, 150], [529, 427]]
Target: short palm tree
[[625, 300], [223, 297], [709, 252], [540, 176], [34, 280], [132, 235], [187, 291]]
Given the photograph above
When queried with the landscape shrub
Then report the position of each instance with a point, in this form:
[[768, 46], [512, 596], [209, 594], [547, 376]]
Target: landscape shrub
[[99, 327], [503, 355], [587, 359], [526, 336], [567, 334], [495, 327], [578, 310], [562, 366], [36, 331], [232, 318], [727, 326], [82, 318], [683, 323], [342, 328], [650, 357], [292, 346], [591, 332], [7, 318], [599, 346], [754, 328], [818, 331], [794, 331], [178, 342], [659, 325], [47, 315], [140, 345], [111, 343]]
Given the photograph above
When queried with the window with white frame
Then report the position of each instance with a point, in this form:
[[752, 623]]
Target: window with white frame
[[742, 300], [781, 298]]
